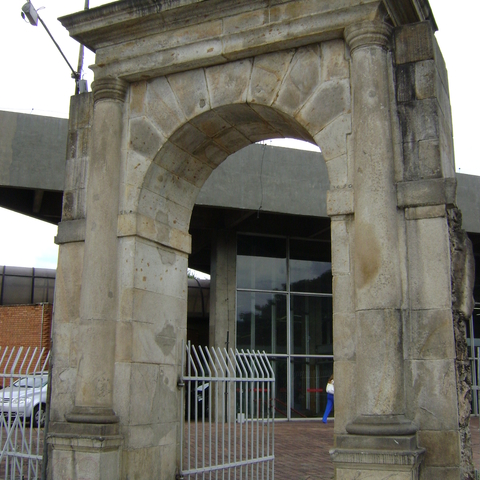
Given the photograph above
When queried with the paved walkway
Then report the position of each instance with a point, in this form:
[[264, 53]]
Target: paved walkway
[[301, 450]]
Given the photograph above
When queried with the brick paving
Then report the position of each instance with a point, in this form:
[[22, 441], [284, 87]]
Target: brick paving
[[301, 449]]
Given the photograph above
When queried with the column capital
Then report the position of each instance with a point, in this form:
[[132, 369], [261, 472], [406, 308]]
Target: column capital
[[109, 88], [368, 34]]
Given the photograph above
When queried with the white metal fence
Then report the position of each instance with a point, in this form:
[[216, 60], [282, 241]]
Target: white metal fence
[[23, 411], [228, 430]]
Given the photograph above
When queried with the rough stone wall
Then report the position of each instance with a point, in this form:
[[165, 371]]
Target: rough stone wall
[[463, 276]]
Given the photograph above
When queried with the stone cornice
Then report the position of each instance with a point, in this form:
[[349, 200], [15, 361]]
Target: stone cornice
[[143, 41], [109, 88]]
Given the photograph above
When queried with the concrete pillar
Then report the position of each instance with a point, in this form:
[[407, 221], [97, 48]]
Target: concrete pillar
[[381, 440], [88, 444], [222, 290]]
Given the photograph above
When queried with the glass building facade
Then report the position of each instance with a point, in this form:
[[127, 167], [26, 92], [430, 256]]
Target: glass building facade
[[284, 307]]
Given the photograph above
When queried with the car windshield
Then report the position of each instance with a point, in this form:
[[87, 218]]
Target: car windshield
[[30, 382]]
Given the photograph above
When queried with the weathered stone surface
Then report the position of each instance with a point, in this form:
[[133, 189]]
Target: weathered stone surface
[[191, 90], [427, 379], [441, 448], [429, 281], [301, 80], [267, 75], [333, 143], [228, 84], [210, 81]]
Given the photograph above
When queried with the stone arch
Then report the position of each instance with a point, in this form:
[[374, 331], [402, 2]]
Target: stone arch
[[184, 125], [177, 89]]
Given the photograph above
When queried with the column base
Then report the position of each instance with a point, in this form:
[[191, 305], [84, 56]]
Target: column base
[[378, 447], [93, 415], [87, 450]]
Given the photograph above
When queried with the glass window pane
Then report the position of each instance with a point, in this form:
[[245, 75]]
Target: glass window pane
[[261, 263], [312, 327], [17, 290], [310, 267], [43, 290], [310, 377], [279, 366], [262, 322]]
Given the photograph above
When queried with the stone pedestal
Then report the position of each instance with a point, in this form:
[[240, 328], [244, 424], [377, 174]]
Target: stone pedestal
[[84, 451], [378, 447]]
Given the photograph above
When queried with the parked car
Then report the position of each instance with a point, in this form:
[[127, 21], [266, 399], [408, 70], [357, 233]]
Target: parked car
[[26, 398]]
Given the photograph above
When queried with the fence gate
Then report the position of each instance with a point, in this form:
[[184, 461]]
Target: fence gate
[[23, 407], [228, 429]]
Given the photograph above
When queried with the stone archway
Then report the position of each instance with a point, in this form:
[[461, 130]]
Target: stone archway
[[175, 94]]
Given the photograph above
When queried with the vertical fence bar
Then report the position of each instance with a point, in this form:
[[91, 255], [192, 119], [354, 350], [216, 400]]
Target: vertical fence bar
[[235, 439], [23, 421]]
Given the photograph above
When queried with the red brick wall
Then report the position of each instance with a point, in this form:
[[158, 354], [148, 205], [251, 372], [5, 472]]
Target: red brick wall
[[22, 326]]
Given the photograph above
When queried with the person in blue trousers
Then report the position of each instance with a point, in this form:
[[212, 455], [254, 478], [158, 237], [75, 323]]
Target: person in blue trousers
[[328, 408]]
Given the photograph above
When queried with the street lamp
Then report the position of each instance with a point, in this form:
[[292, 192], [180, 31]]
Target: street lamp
[[29, 13]]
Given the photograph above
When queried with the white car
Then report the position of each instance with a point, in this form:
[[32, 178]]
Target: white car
[[26, 398]]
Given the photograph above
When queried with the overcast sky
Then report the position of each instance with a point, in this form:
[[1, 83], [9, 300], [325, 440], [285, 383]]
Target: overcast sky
[[35, 79]]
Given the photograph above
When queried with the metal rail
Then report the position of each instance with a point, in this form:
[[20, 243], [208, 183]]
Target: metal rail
[[228, 429], [23, 399]]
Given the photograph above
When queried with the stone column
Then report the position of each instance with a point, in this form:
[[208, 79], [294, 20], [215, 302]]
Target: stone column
[[88, 444], [96, 332], [380, 398]]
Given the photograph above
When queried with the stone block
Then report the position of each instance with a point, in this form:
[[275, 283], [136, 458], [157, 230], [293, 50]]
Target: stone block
[[137, 103], [340, 201], [163, 109], [170, 186], [419, 120], [431, 395], [343, 293], [429, 335], [160, 270], [333, 60], [246, 20], [155, 342], [147, 436], [414, 42], [63, 388], [338, 171], [146, 309], [442, 448], [124, 341], [333, 142], [429, 159], [435, 191], [81, 111], [211, 154], [210, 123], [329, 101], [154, 396], [179, 162], [345, 394], [267, 74], [429, 280], [191, 91], [340, 247], [379, 376], [228, 84], [301, 81], [144, 138], [137, 166], [344, 333], [121, 389], [159, 462], [444, 473], [405, 83], [232, 140], [418, 213]]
